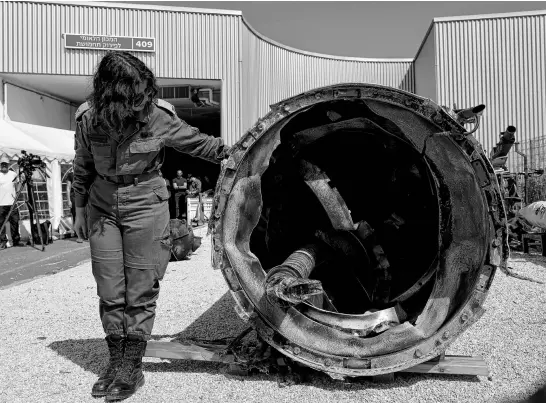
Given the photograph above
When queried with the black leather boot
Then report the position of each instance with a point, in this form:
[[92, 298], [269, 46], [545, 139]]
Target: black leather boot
[[129, 377], [116, 346]]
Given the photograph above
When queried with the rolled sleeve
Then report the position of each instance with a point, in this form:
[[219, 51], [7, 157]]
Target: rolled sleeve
[[84, 168], [190, 140]]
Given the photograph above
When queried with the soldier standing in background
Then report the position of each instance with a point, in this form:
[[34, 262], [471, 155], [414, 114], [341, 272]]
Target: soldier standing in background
[[120, 135], [180, 186]]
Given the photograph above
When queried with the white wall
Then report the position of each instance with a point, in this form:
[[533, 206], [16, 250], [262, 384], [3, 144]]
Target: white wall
[[30, 107], [425, 68]]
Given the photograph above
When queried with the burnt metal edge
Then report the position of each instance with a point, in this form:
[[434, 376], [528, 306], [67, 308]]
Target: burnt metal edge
[[425, 350], [369, 366]]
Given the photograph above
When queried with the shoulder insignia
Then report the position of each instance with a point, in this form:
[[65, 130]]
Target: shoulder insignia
[[81, 110], [166, 106]]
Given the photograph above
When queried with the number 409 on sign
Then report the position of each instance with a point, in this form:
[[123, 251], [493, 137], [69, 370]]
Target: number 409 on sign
[[144, 44]]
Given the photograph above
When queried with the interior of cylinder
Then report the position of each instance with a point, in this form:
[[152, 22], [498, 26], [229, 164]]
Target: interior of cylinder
[[383, 181]]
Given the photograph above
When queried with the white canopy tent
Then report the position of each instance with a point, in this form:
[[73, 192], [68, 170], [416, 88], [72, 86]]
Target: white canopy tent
[[59, 144], [52, 145]]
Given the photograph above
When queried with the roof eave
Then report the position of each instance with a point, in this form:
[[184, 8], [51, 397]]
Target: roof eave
[[142, 7], [491, 16]]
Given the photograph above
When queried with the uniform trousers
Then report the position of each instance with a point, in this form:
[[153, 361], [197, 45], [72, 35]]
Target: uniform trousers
[[130, 250]]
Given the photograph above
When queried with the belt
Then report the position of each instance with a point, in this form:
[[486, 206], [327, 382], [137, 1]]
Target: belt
[[130, 179]]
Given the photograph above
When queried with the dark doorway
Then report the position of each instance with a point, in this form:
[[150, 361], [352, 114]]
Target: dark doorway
[[208, 123], [198, 103]]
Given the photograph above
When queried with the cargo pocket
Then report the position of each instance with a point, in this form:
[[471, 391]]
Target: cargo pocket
[[162, 193], [141, 154], [162, 241], [163, 255]]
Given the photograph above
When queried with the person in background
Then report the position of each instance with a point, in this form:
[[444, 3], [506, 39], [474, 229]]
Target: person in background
[[9, 185], [195, 98], [121, 132], [180, 186], [194, 187], [195, 191], [71, 200]]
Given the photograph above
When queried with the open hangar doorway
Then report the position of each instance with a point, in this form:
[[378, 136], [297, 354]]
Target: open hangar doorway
[[198, 103]]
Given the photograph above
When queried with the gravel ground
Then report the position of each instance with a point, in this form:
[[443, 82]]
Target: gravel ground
[[52, 346]]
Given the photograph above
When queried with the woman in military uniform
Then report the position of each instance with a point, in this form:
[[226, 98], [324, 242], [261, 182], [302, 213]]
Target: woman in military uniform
[[121, 132]]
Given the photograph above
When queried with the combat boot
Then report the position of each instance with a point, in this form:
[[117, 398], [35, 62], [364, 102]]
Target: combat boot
[[129, 377], [116, 346]]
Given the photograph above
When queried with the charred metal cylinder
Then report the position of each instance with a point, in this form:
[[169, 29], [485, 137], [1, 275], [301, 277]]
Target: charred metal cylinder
[[401, 199], [289, 282], [299, 264]]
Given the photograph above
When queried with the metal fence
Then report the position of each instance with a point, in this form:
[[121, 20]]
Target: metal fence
[[535, 149]]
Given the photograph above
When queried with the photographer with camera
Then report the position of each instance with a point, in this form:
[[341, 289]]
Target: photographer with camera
[[120, 135], [8, 184]]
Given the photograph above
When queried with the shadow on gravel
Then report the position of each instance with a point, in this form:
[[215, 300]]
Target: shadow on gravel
[[221, 322], [218, 322], [90, 354]]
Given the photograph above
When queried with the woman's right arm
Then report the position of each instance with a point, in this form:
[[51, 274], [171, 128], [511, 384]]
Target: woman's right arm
[[84, 167], [84, 175]]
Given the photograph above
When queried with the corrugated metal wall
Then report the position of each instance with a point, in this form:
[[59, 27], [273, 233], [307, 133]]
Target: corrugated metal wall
[[500, 62], [188, 45], [254, 71], [272, 72]]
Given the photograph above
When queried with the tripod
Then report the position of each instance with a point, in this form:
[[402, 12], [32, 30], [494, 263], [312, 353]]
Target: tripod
[[33, 214]]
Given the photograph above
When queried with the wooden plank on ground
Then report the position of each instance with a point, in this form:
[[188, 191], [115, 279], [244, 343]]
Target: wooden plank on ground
[[448, 365], [452, 365], [179, 351]]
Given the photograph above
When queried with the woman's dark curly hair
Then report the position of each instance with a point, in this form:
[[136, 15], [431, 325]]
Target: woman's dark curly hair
[[114, 83]]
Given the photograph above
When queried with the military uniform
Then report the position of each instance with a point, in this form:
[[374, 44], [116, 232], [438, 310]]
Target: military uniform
[[116, 178]]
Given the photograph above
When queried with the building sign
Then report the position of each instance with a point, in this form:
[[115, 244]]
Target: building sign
[[100, 42]]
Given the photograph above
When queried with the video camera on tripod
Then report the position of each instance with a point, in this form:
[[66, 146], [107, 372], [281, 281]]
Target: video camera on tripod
[[28, 164]]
